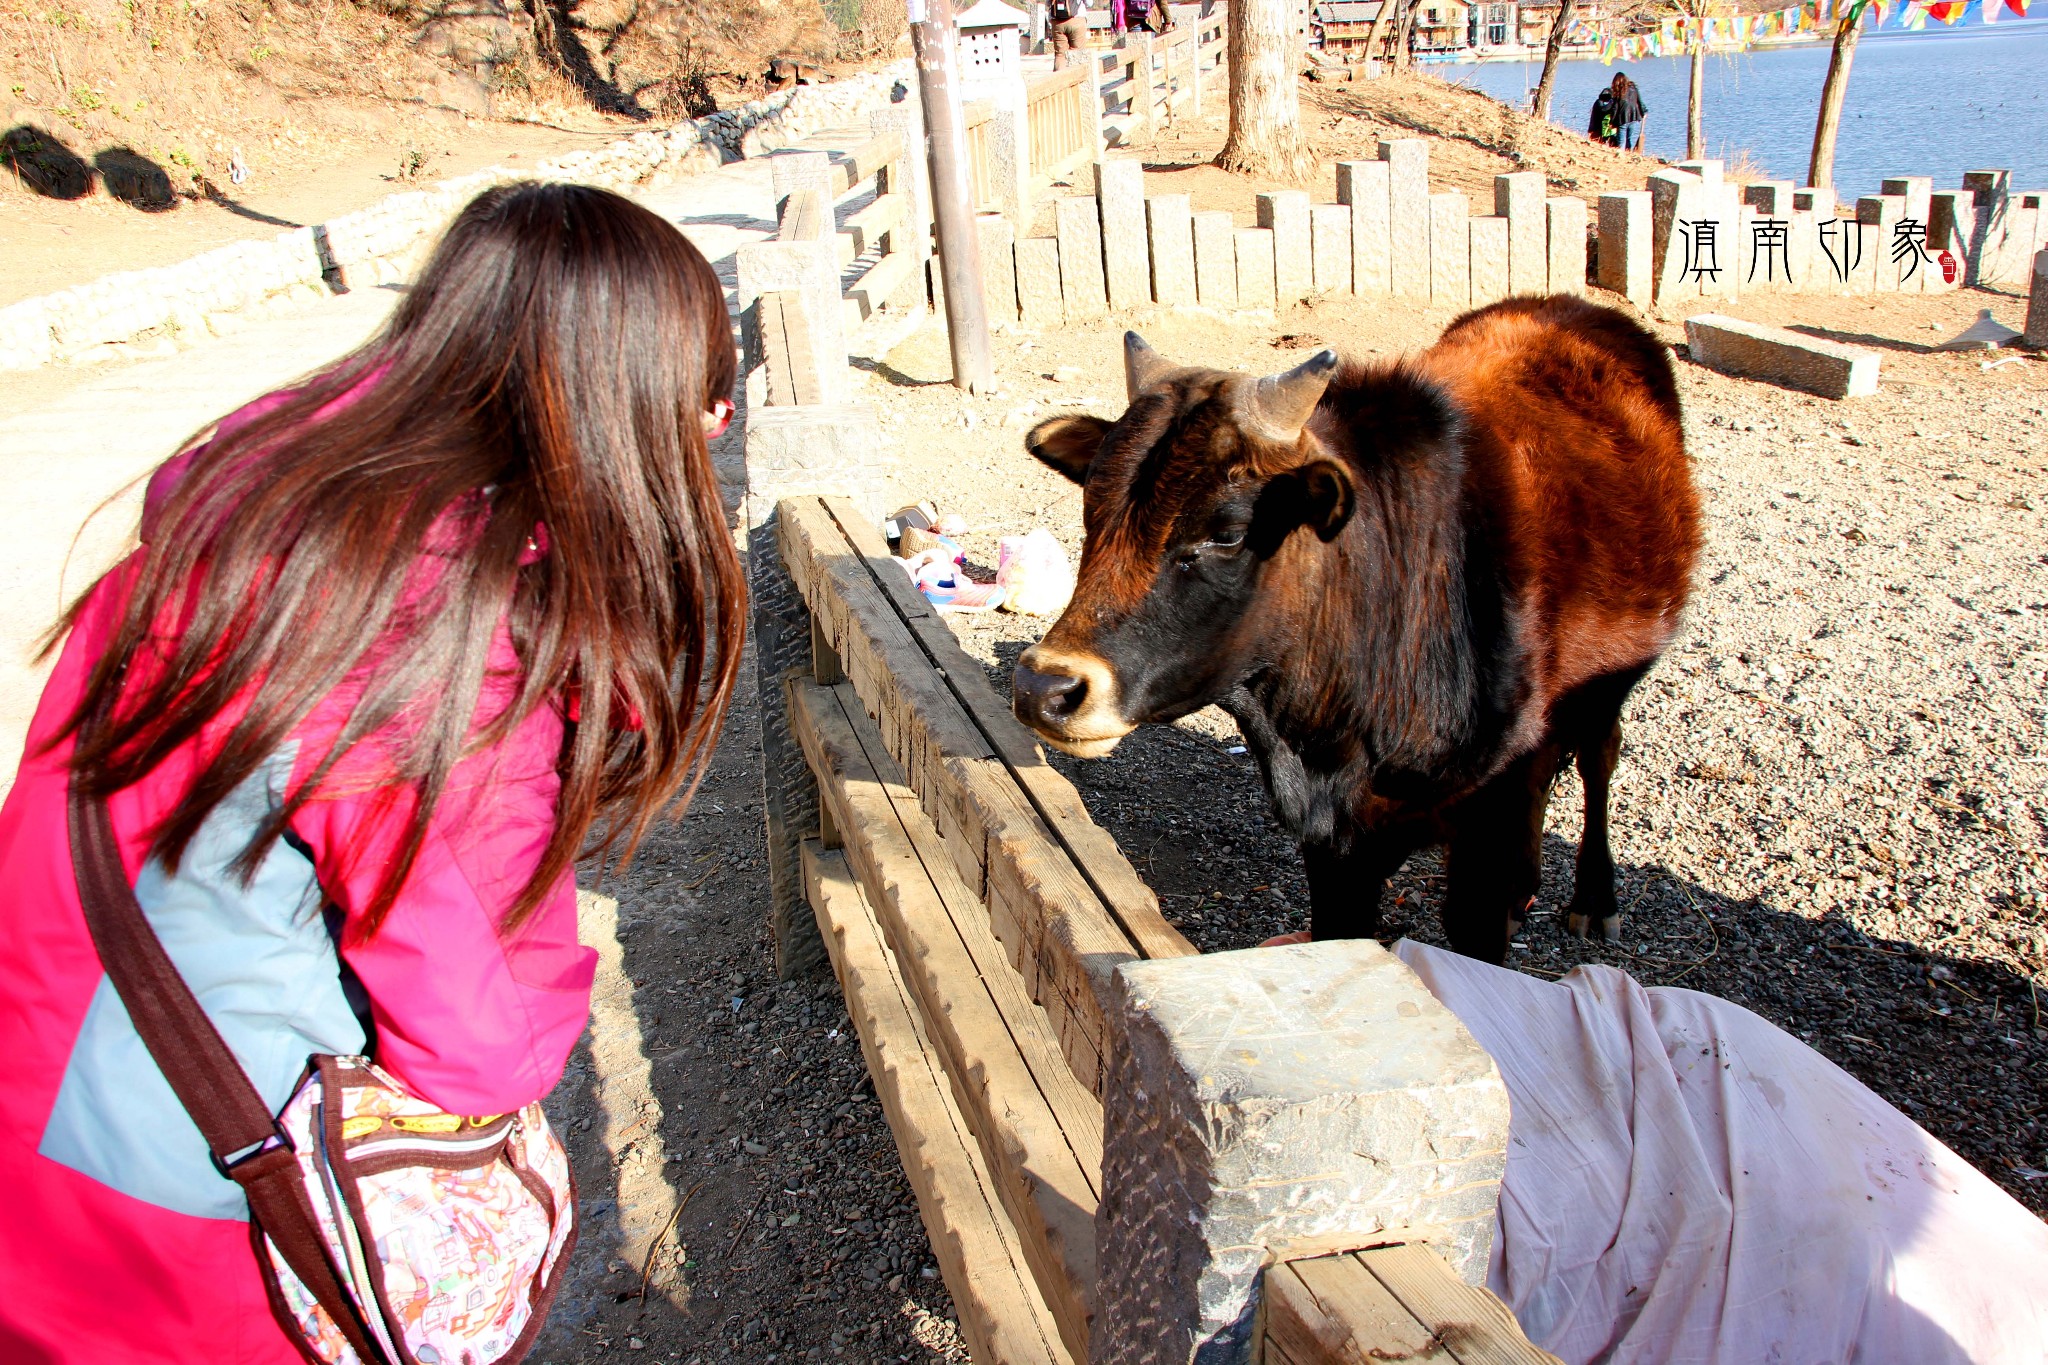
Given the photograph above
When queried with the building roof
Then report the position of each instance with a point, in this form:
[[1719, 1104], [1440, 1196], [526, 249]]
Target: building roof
[[992, 14], [1348, 11]]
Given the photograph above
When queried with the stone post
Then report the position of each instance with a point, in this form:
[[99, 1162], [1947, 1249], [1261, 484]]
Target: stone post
[[1009, 143], [1450, 250], [1519, 199], [1565, 244], [1990, 191], [1407, 161], [1144, 110], [1362, 186], [908, 177], [1880, 216], [1215, 259], [1120, 196], [791, 171], [1286, 213], [1255, 286], [1627, 245], [1492, 239], [1918, 192], [1038, 281], [998, 242], [1170, 236], [1080, 236], [1951, 227], [1678, 202], [1279, 1102], [1329, 233], [1770, 198], [809, 270], [2037, 304]]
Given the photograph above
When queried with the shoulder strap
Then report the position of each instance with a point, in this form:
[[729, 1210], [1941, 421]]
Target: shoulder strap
[[247, 1144]]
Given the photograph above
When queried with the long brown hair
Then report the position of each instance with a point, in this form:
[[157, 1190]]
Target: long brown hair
[[542, 382]]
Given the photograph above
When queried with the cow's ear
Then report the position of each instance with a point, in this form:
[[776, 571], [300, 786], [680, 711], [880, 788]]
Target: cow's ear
[[1317, 495], [1068, 444]]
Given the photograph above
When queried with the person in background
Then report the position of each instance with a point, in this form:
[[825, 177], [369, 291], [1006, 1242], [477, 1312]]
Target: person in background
[[1157, 18], [1630, 112], [398, 646], [1119, 16], [1069, 29], [1601, 127]]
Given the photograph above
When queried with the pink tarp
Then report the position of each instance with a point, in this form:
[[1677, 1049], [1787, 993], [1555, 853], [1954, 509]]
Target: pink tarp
[[1690, 1185]]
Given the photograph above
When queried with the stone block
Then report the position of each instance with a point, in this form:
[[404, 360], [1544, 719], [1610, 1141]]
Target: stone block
[[1215, 259], [1408, 220], [2014, 264], [1693, 225], [1880, 216], [791, 171], [1080, 236], [1255, 282], [1764, 243], [1362, 187], [1519, 199], [810, 272], [1770, 198], [1039, 297], [2036, 333], [997, 237], [1789, 359], [1285, 213], [1170, 237], [1310, 1097], [1627, 245], [1951, 226], [1990, 192], [1491, 268], [1708, 170], [1450, 250], [1329, 230], [1564, 245], [1820, 202], [1844, 257], [1120, 191], [1799, 249], [1918, 192]]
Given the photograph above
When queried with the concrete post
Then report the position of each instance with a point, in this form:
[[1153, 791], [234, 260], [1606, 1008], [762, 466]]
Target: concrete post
[[1627, 245], [1080, 235], [1678, 203], [1407, 161], [1009, 145], [1038, 281], [2036, 333], [1120, 197], [1951, 226], [1450, 250], [998, 241], [1880, 215], [1279, 1101], [909, 177], [1519, 199], [1491, 259], [1215, 259], [1329, 232], [1286, 213], [1171, 239], [1990, 191], [1255, 286], [1362, 187], [1565, 245], [1918, 192]]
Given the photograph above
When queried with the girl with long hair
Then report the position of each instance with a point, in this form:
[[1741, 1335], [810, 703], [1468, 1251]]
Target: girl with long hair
[[399, 646]]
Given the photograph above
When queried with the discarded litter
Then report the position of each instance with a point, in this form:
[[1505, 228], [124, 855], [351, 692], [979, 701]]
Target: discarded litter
[[1985, 334], [1034, 570]]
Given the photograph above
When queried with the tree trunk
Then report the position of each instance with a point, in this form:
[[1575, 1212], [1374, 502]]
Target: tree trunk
[[1404, 34], [1695, 126], [1265, 102], [1821, 172], [1379, 28], [1551, 51]]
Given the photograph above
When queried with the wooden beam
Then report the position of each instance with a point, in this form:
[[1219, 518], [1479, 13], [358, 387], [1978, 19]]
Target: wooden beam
[[1001, 1312], [1039, 1131], [1476, 1326], [881, 214], [1388, 1303], [863, 161]]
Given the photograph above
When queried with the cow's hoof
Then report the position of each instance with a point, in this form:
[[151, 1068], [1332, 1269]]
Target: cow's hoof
[[1610, 928], [1576, 925], [1518, 919], [1283, 940]]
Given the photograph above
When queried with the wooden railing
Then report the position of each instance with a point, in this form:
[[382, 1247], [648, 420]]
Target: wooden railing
[[1145, 80], [1062, 124]]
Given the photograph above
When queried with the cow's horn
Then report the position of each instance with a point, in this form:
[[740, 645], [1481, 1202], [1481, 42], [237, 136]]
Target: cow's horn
[[1281, 403], [1142, 365]]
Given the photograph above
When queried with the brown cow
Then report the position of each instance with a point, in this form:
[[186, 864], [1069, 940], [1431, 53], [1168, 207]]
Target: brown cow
[[1420, 589]]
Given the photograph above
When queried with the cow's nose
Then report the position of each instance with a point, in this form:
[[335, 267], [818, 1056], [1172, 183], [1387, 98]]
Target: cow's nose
[[1047, 700]]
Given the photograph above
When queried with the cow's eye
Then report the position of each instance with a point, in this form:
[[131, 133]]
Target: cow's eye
[[1229, 538]]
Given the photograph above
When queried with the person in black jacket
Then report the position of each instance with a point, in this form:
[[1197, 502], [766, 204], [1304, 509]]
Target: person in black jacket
[[1629, 112], [1602, 126]]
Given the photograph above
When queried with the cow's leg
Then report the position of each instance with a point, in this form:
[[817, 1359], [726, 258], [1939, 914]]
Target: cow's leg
[[1594, 908], [1594, 720], [1495, 860], [1344, 888]]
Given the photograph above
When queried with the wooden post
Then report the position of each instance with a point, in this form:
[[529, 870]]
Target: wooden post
[[935, 39]]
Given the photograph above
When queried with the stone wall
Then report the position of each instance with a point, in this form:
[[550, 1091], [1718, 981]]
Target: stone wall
[[146, 312]]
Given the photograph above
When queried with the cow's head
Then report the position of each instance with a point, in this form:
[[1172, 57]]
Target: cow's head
[[1198, 503]]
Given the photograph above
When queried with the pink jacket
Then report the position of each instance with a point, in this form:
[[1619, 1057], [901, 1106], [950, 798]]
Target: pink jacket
[[118, 1240]]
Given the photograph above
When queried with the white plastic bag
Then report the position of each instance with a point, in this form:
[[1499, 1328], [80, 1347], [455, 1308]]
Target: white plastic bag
[[1034, 570]]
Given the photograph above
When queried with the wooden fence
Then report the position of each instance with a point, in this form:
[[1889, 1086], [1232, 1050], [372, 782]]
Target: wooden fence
[[985, 931], [1065, 131]]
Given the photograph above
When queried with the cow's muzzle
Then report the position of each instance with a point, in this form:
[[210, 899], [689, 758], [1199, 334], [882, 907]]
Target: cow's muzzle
[[1070, 700]]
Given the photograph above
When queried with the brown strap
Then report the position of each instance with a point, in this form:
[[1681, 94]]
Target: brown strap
[[247, 1144]]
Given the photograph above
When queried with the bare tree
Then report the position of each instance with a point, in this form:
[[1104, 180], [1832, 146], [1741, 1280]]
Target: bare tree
[[1821, 172], [1404, 35], [1551, 51], [1265, 100], [1379, 27]]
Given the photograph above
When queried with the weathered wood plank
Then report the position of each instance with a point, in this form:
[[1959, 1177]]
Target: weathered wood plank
[[868, 224], [871, 156], [1331, 1311], [1476, 1326], [1094, 853], [1019, 1096], [1001, 1312]]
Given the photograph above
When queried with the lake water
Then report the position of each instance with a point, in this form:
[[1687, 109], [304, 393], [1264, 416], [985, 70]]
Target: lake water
[[1937, 103]]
